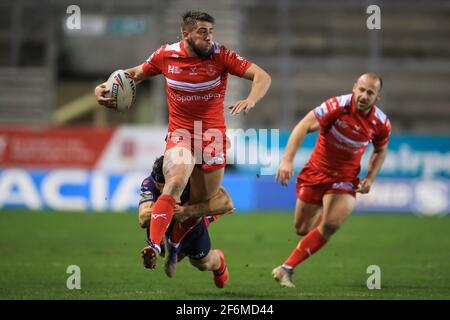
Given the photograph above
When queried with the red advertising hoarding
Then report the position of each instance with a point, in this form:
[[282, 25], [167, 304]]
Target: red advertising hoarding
[[55, 147]]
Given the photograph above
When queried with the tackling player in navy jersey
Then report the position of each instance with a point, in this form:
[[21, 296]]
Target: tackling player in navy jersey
[[188, 234]]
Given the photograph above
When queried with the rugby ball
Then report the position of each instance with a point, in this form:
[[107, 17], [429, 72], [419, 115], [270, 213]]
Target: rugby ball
[[122, 88]]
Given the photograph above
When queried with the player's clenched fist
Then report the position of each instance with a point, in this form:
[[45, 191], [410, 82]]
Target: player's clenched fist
[[285, 172], [100, 95]]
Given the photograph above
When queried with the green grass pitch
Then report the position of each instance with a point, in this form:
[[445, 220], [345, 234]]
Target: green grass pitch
[[37, 247]]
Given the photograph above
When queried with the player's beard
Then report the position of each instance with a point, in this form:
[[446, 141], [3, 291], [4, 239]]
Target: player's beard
[[365, 107], [198, 51]]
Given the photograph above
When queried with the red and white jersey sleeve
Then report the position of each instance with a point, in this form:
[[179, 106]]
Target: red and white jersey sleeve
[[382, 136], [331, 109], [234, 63], [154, 65]]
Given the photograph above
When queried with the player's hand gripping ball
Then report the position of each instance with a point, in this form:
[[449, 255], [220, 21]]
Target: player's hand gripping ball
[[122, 88]]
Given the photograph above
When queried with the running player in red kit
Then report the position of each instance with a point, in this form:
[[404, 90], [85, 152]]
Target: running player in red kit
[[196, 71], [329, 180]]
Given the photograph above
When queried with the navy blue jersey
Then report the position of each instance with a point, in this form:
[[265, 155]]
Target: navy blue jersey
[[149, 191]]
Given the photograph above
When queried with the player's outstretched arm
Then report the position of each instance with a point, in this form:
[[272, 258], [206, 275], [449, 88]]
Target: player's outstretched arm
[[375, 163], [286, 170], [220, 204], [261, 81]]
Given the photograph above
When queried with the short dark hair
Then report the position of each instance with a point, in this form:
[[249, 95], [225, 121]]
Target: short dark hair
[[157, 170], [190, 18]]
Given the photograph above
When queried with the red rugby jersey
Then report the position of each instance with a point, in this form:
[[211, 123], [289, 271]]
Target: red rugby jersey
[[345, 134], [195, 86]]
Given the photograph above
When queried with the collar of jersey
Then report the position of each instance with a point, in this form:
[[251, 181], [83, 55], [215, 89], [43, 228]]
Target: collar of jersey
[[182, 50]]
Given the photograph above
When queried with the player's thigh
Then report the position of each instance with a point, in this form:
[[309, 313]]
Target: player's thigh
[[336, 208], [304, 215], [205, 184], [178, 164]]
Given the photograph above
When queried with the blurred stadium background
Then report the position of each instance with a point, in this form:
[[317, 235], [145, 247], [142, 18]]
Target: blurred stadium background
[[60, 151]]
